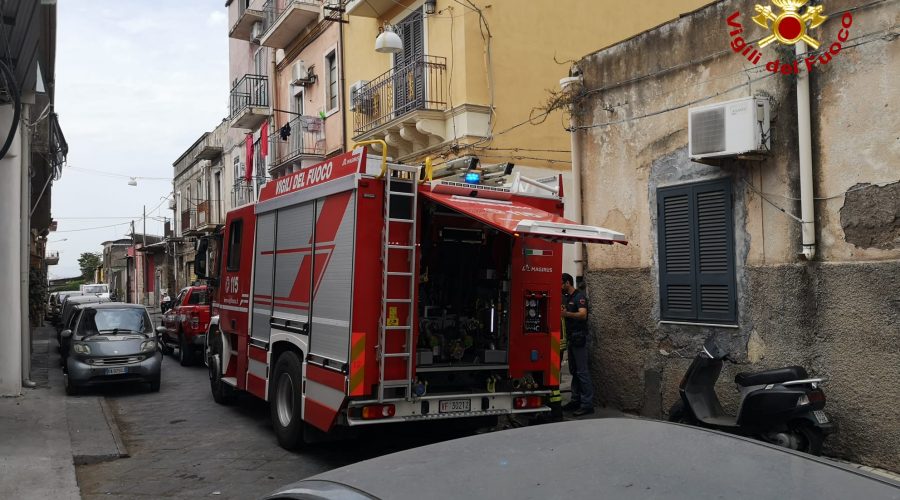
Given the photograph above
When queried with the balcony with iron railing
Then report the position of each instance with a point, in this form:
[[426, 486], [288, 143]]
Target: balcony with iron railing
[[52, 259], [407, 107], [188, 218], [243, 27], [303, 136], [244, 192], [249, 102], [285, 19], [418, 85], [208, 215]]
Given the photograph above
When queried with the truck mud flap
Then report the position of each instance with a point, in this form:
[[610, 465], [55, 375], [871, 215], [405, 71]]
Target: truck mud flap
[[324, 396]]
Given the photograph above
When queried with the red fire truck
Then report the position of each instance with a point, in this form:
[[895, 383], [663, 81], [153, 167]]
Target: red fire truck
[[358, 292]]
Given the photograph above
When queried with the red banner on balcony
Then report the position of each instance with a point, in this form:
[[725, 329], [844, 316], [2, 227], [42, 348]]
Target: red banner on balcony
[[248, 173], [264, 139]]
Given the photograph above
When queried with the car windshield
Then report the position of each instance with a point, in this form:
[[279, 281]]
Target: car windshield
[[198, 298], [114, 321], [95, 289]]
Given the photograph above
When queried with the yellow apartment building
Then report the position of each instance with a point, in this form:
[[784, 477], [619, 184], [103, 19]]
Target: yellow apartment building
[[474, 75]]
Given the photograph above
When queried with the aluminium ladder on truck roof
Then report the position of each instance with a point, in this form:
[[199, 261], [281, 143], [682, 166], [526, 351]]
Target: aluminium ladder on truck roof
[[400, 204]]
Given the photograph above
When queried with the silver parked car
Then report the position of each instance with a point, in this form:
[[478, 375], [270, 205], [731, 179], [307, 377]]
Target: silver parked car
[[614, 458], [112, 342]]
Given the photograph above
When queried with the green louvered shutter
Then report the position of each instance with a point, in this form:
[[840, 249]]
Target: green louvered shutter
[[696, 252]]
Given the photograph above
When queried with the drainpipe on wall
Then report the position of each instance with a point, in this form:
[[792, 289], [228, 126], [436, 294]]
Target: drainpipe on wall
[[272, 103], [25, 249], [807, 207], [572, 84], [342, 92]]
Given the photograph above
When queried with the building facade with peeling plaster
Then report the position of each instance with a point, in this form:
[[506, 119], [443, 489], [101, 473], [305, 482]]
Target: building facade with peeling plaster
[[838, 314]]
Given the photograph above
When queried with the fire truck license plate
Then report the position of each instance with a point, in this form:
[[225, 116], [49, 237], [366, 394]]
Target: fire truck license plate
[[455, 405], [820, 416], [116, 371]]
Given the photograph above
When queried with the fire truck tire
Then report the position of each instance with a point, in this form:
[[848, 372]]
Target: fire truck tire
[[185, 352], [222, 393], [285, 401]]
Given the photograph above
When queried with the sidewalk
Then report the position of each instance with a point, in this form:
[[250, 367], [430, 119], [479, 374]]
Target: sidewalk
[[35, 449], [44, 433]]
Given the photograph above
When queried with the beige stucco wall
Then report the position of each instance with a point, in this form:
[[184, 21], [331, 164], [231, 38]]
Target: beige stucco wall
[[851, 145], [314, 95], [525, 38], [837, 316]]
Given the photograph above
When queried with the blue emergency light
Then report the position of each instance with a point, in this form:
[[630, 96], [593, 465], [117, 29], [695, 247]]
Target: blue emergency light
[[473, 177]]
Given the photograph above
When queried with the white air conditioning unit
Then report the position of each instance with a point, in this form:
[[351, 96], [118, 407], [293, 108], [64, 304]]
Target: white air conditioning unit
[[731, 129], [256, 31], [360, 102], [301, 75]]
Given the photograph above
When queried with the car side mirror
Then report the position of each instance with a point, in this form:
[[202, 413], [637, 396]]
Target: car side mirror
[[66, 334], [160, 330]]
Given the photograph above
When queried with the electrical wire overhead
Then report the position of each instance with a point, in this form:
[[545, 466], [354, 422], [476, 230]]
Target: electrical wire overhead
[[117, 175]]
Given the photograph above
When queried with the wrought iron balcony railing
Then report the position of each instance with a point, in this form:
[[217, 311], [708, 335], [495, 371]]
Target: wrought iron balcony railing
[[187, 219], [251, 91], [303, 135], [244, 192], [208, 213], [415, 86]]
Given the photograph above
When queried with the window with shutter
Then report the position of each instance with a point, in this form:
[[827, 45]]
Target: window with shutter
[[696, 252], [409, 76], [331, 92]]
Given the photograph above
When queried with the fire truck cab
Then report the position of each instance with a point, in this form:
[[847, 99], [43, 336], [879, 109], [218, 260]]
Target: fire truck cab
[[358, 292]]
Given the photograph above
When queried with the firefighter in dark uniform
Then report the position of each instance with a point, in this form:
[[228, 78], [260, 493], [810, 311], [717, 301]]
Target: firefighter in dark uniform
[[575, 313]]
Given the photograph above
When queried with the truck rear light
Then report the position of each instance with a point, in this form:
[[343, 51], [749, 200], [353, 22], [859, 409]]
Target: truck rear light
[[195, 321], [373, 412], [526, 402]]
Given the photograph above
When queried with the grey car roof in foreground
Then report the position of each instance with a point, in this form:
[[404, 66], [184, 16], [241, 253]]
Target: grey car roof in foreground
[[117, 305], [597, 459]]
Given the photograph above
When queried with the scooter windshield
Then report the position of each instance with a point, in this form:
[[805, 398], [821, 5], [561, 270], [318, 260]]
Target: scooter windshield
[[712, 349]]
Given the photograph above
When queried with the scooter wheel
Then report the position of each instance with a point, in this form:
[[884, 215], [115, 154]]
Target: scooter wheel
[[679, 413], [811, 438]]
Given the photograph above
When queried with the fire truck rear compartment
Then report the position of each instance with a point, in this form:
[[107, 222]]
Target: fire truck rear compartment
[[463, 339]]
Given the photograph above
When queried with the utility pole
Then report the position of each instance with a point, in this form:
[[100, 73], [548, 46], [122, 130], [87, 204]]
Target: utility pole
[[147, 274], [132, 278]]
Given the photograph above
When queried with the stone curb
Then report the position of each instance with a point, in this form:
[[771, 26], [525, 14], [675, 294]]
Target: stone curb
[[114, 428]]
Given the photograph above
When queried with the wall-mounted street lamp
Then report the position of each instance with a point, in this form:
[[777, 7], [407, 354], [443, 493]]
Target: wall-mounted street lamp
[[430, 6]]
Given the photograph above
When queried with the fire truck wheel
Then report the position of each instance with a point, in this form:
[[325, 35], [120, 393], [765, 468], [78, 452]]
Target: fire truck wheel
[[185, 352], [222, 393], [285, 401]]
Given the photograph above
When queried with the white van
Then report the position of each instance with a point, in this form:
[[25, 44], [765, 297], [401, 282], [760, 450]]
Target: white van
[[100, 289]]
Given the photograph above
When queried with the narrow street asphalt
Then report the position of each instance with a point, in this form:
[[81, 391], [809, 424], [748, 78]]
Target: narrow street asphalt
[[184, 445]]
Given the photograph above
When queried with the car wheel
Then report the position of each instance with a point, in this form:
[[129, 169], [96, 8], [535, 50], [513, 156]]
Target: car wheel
[[71, 389], [286, 402], [679, 413], [185, 352], [154, 385], [222, 393], [165, 347]]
